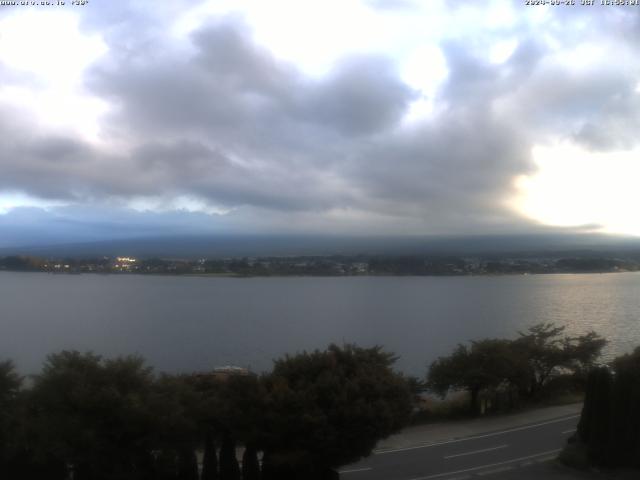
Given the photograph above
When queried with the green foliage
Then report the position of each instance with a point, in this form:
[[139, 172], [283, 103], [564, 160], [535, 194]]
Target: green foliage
[[515, 368], [547, 351], [93, 414], [485, 365], [175, 406], [329, 408], [20, 263], [241, 406], [113, 419], [10, 384]]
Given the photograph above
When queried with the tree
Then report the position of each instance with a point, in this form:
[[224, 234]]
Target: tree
[[205, 412], [485, 365], [329, 408], [520, 367], [595, 422], [548, 351], [581, 352], [250, 464], [92, 414], [210, 459], [175, 405], [542, 345], [229, 468], [625, 423], [241, 407], [187, 464], [609, 426], [10, 384]]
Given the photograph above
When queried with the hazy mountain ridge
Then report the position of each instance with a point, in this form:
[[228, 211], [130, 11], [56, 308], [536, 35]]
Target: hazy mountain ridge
[[192, 246]]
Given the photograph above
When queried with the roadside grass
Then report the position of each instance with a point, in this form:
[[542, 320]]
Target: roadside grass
[[455, 406], [432, 408]]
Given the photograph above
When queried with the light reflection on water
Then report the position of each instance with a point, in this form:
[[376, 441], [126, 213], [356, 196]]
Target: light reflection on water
[[189, 323]]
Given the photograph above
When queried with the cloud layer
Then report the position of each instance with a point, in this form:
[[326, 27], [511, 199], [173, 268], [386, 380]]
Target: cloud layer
[[211, 120]]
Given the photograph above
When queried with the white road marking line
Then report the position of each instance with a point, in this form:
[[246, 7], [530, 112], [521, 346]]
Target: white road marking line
[[493, 434], [438, 475], [354, 470], [569, 431], [545, 459], [476, 451], [496, 470]]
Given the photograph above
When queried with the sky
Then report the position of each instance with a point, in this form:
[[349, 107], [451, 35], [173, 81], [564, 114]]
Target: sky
[[367, 117]]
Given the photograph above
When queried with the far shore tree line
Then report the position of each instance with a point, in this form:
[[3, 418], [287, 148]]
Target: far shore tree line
[[84, 417], [330, 265]]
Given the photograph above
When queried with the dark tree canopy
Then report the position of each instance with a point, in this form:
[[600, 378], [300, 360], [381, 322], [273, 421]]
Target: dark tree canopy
[[609, 426], [10, 384], [547, 351], [523, 366], [329, 408], [93, 413], [113, 419], [485, 364]]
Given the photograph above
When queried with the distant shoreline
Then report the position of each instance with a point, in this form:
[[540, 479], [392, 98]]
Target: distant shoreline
[[330, 266], [240, 276]]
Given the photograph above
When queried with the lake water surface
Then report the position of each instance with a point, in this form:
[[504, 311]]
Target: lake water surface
[[195, 323]]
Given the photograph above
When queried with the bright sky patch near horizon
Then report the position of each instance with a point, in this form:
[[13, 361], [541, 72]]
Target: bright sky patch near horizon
[[344, 116]]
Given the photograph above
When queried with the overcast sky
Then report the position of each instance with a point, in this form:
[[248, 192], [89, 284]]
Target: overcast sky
[[337, 116]]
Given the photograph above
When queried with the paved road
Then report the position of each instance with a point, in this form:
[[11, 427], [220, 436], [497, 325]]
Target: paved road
[[475, 456]]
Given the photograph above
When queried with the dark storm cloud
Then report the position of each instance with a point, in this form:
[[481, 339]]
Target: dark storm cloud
[[45, 167], [282, 129], [456, 169], [363, 95], [232, 88], [456, 162]]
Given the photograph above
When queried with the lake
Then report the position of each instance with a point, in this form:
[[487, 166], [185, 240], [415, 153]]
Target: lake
[[181, 323]]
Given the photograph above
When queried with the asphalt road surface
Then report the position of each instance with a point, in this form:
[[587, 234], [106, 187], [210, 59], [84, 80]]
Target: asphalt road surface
[[464, 458]]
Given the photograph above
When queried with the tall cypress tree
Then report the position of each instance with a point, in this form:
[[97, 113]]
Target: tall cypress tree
[[166, 465], [250, 464], [187, 465], [610, 421], [267, 471], [229, 468], [584, 430], [210, 459], [625, 439], [600, 420]]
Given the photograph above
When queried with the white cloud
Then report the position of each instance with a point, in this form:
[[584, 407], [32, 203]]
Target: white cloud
[[574, 187], [185, 203], [501, 51], [11, 200], [360, 113], [48, 49]]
